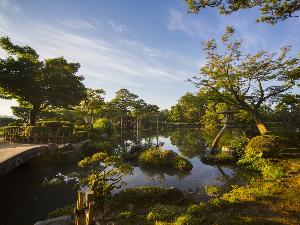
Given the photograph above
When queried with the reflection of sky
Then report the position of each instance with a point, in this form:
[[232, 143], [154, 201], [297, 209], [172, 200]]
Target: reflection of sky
[[200, 176]]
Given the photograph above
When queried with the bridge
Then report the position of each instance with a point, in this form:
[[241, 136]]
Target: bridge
[[12, 155]]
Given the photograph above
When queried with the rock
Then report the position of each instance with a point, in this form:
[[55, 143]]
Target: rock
[[62, 220], [52, 147], [67, 146]]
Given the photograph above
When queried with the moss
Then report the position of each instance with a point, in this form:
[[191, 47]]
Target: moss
[[220, 158], [164, 213], [267, 145], [160, 158], [212, 190]]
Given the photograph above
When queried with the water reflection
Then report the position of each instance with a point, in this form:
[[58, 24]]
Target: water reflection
[[24, 187]]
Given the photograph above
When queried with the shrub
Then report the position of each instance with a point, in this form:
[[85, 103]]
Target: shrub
[[104, 125], [160, 158], [36, 131], [65, 130], [267, 145], [239, 144], [219, 158], [164, 213], [54, 125], [212, 190]]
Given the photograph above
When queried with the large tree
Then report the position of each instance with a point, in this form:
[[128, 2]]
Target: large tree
[[52, 82], [246, 81], [92, 105], [272, 11]]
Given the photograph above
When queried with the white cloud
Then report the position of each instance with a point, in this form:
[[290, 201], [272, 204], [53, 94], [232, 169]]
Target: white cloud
[[78, 24], [121, 61], [118, 28]]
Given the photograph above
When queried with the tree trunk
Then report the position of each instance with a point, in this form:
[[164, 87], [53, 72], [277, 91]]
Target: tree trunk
[[33, 115], [259, 123]]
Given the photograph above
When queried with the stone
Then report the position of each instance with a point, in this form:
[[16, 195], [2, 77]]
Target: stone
[[62, 220]]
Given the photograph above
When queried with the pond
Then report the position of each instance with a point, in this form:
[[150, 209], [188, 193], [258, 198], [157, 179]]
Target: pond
[[26, 200]]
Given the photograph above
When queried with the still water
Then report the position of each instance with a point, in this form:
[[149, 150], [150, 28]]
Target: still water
[[25, 200]]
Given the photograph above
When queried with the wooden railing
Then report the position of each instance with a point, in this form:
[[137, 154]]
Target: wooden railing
[[18, 135]]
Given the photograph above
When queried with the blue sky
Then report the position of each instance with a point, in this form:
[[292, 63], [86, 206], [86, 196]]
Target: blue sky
[[148, 47]]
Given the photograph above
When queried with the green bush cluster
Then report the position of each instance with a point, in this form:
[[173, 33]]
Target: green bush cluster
[[238, 144], [160, 158], [259, 153], [37, 130], [162, 212], [104, 126], [220, 158], [267, 145], [54, 125]]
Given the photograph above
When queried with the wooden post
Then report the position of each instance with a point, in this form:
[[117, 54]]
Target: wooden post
[[79, 219], [90, 207], [85, 211]]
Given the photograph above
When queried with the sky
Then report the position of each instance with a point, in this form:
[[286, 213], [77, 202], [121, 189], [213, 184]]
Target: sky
[[150, 48]]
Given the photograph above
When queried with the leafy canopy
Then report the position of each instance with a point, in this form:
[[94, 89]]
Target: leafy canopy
[[272, 11], [52, 82]]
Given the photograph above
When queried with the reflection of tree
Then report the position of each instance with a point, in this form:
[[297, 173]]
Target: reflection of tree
[[159, 173], [190, 142]]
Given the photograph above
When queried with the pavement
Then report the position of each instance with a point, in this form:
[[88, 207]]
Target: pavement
[[9, 150]]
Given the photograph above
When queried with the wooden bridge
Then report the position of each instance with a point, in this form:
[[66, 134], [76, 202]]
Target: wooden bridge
[[12, 155]]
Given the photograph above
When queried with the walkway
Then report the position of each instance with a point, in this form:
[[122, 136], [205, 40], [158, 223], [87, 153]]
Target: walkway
[[13, 155]]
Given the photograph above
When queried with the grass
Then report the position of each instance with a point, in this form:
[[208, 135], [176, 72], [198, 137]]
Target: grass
[[262, 201]]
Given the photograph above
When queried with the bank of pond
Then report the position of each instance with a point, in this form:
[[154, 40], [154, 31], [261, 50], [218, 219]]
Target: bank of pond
[[160, 178]]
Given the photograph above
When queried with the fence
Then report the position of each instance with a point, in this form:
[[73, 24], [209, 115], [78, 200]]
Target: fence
[[18, 135]]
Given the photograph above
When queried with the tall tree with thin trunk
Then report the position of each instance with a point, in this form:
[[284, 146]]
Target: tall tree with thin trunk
[[246, 81]]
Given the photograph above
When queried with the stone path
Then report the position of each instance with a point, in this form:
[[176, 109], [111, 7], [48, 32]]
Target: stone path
[[9, 150], [13, 155]]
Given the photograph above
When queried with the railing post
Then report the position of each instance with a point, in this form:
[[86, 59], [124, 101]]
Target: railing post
[[79, 219], [90, 206]]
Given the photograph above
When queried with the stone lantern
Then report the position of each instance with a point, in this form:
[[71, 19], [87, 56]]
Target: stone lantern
[[228, 122]]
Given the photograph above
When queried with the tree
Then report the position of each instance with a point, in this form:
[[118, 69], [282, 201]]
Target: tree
[[189, 108], [272, 11], [52, 82], [92, 104], [123, 102], [246, 81]]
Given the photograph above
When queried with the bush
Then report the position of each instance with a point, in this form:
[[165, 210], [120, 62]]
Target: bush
[[219, 158], [104, 126], [239, 144], [266, 145], [64, 130], [54, 125], [160, 158], [37, 131], [164, 213]]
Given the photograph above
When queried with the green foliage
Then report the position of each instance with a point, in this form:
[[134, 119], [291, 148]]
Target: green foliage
[[104, 125], [160, 158], [36, 130], [246, 82], [67, 210], [52, 82], [271, 11], [266, 145], [164, 213], [65, 130], [105, 176], [238, 144], [220, 158], [54, 125], [188, 109], [212, 190], [258, 156]]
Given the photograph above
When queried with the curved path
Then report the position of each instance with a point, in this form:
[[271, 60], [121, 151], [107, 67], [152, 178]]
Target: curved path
[[12, 155]]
